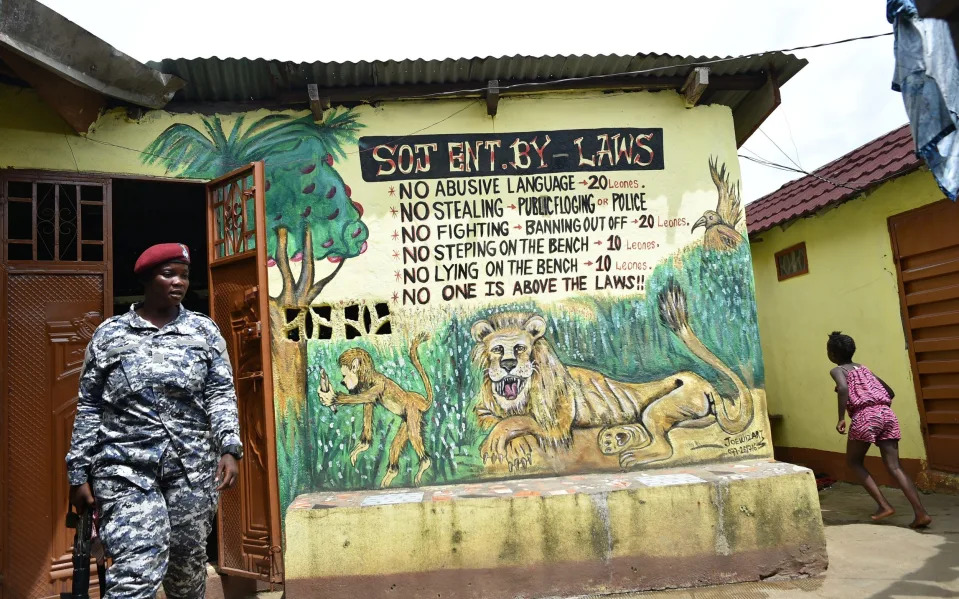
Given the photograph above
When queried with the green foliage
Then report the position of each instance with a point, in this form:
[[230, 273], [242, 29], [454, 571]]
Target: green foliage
[[307, 191], [624, 339], [319, 459], [627, 341], [303, 187]]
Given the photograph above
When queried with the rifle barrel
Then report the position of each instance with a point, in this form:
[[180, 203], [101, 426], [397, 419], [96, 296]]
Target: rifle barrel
[[81, 558]]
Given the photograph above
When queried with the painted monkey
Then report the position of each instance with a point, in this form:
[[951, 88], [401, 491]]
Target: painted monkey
[[368, 387]]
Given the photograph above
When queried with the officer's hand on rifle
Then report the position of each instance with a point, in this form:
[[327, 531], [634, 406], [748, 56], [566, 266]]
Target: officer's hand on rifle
[[81, 496]]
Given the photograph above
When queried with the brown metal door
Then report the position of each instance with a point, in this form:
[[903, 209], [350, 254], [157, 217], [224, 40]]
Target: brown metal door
[[249, 516], [926, 247], [56, 288]]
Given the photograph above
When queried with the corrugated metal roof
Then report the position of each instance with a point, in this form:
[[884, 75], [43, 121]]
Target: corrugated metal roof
[[246, 80], [883, 158]]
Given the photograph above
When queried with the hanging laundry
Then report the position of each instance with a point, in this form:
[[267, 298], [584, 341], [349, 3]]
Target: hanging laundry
[[894, 7], [927, 75]]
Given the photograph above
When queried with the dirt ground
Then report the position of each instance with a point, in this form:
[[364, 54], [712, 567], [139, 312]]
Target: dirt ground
[[866, 561]]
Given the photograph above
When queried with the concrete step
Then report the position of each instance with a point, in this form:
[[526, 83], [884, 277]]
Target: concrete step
[[562, 536]]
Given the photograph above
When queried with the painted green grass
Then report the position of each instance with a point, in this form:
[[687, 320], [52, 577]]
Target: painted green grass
[[321, 440], [625, 340]]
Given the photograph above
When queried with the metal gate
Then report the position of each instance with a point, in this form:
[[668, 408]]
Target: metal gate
[[926, 247], [249, 516], [55, 288]]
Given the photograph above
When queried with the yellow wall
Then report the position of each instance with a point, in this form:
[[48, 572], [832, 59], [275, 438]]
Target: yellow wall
[[33, 136], [602, 328], [682, 189], [851, 287]]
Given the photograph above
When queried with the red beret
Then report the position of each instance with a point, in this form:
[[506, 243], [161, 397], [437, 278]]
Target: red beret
[[161, 253]]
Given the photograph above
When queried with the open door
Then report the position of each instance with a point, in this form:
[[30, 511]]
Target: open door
[[248, 518]]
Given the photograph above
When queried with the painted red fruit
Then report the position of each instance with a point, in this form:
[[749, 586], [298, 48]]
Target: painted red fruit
[[329, 159], [307, 211], [331, 192], [334, 215], [309, 188], [328, 243], [306, 170], [359, 207], [335, 259], [363, 247], [270, 262], [347, 190], [358, 232], [297, 257]]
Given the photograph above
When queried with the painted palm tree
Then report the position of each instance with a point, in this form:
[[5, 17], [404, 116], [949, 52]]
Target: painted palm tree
[[311, 215]]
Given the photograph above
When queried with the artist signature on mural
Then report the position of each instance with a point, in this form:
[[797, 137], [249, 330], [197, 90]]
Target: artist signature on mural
[[744, 444]]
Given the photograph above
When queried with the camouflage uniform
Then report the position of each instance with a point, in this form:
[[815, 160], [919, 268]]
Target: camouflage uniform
[[155, 408]]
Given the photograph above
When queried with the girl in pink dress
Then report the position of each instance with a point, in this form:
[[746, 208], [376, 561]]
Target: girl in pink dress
[[868, 399]]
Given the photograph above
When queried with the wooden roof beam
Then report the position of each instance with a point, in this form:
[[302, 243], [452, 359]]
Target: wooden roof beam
[[352, 95], [749, 114], [695, 85], [79, 106], [318, 104], [337, 95], [492, 97], [6, 71]]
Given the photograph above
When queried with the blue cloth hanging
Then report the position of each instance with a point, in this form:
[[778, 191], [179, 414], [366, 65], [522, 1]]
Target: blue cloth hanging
[[895, 7], [927, 74]]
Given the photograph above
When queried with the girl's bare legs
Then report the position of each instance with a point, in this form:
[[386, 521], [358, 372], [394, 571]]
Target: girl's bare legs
[[890, 456], [855, 456]]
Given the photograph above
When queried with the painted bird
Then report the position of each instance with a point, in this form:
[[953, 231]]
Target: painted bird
[[720, 224]]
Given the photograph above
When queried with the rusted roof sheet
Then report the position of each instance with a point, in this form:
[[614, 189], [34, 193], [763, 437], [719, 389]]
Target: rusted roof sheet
[[883, 158], [247, 80]]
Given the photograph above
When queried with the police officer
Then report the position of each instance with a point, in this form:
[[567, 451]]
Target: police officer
[[156, 435]]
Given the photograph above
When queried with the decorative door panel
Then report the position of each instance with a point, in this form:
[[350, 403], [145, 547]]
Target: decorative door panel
[[249, 518], [70, 327], [47, 324], [55, 288]]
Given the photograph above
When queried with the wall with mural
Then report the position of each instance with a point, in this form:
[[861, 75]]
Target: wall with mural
[[562, 288]]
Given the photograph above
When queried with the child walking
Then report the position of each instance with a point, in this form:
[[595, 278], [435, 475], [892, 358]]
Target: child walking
[[867, 398]]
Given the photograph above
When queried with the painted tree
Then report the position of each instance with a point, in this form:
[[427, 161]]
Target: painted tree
[[311, 216]]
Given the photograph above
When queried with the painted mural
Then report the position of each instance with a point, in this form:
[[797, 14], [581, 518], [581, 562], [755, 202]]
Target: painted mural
[[530, 302], [300, 158]]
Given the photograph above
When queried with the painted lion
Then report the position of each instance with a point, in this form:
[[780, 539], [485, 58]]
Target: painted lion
[[529, 396]]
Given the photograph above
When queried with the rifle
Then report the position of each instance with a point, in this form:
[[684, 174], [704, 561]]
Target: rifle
[[82, 545]]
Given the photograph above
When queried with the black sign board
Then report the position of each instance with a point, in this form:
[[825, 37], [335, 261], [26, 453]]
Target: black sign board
[[535, 152]]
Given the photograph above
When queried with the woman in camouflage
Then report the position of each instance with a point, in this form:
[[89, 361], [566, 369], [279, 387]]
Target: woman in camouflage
[[156, 436]]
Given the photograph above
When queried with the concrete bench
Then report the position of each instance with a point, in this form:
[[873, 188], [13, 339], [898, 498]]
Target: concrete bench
[[596, 533]]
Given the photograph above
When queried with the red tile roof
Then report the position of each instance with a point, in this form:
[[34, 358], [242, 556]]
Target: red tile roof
[[883, 158]]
